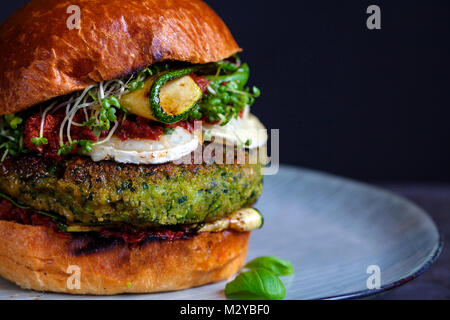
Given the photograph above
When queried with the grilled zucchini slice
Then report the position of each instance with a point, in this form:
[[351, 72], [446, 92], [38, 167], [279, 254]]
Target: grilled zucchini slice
[[167, 97], [243, 220]]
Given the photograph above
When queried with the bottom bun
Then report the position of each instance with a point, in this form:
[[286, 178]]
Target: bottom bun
[[37, 258]]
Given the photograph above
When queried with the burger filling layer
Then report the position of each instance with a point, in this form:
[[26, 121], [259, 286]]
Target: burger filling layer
[[104, 160], [146, 118]]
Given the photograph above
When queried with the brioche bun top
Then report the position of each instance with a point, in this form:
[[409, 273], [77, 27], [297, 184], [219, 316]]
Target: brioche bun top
[[42, 58]]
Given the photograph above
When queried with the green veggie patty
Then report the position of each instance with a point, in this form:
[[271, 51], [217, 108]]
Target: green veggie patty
[[108, 192]]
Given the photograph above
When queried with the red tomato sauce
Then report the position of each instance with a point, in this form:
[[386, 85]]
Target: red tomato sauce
[[141, 236], [142, 128], [9, 212], [136, 128], [51, 128]]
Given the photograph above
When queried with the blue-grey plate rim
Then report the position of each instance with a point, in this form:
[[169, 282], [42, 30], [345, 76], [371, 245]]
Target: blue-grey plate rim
[[393, 285], [396, 284]]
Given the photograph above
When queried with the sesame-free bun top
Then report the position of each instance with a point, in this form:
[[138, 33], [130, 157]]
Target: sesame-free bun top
[[41, 58]]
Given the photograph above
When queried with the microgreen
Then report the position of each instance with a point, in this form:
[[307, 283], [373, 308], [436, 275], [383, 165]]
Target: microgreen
[[227, 95], [39, 141], [11, 135], [196, 114], [228, 65], [93, 93], [67, 148], [139, 82], [106, 115], [86, 146], [136, 85], [13, 121]]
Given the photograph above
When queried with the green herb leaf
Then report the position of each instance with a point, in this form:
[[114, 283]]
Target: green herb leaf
[[277, 266], [259, 284]]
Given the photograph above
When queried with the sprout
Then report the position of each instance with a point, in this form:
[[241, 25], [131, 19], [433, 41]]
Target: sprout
[[227, 95]]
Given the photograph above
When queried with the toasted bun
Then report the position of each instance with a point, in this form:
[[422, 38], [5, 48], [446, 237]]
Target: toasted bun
[[37, 258], [42, 58]]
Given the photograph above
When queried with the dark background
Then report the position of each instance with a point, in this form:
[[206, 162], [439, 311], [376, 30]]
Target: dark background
[[372, 105]]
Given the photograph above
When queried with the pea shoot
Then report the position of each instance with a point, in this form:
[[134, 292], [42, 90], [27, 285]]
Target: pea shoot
[[13, 121], [139, 82], [106, 115], [86, 146], [39, 141], [67, 148], [227, 94]]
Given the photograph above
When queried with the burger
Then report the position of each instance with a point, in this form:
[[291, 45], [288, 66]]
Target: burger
[[102, 121]]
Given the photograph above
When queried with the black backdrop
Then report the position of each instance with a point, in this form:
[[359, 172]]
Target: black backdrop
[[372, 105]]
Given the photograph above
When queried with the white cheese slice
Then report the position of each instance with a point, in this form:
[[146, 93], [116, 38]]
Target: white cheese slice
[[246, 132], [169, 148]]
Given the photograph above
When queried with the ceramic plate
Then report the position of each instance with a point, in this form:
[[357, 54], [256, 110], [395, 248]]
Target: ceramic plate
[[332, 230]]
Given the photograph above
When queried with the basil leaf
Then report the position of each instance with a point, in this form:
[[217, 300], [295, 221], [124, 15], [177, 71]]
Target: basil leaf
[[259, 284], [277, 266]]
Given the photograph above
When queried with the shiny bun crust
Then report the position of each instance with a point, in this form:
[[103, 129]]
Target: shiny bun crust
[[42, 58], [37, 258]]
